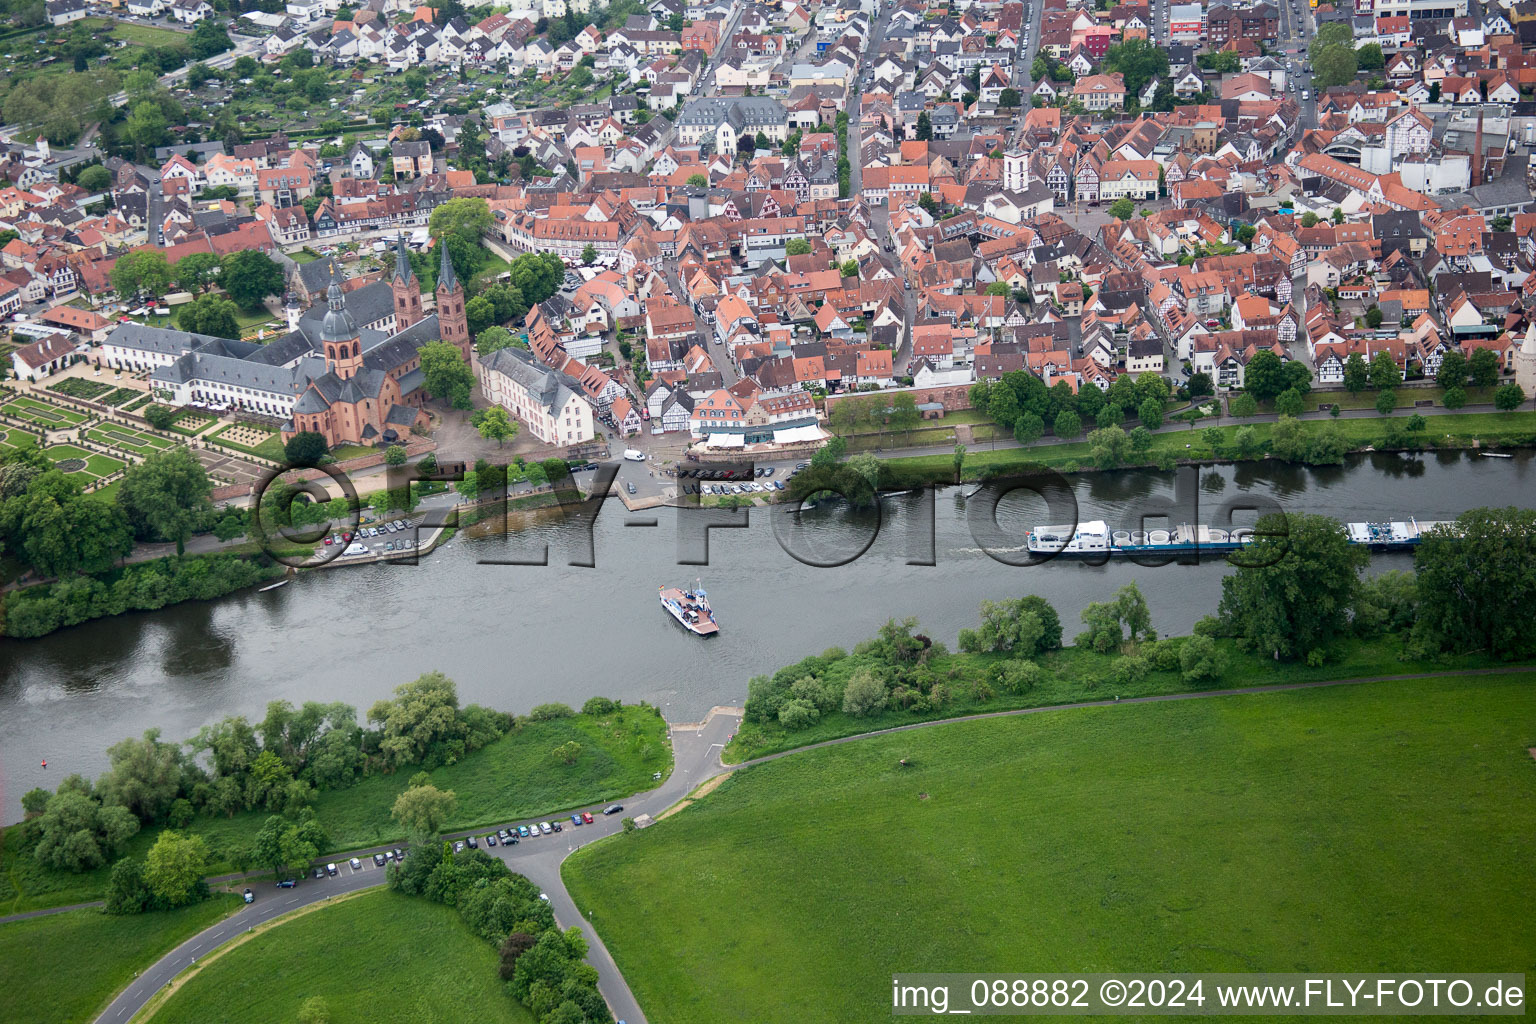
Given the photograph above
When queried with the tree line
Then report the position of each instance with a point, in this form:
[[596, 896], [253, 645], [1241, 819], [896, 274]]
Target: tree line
[[278, 764], [1300, 592], [1022, 404], [52, 526]]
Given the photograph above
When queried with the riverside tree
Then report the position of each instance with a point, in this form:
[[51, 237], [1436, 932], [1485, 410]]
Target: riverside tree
[[424, 810], [166, 497], [1296, 584], [1475, 582]]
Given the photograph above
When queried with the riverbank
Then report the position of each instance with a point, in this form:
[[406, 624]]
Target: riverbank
[[1071, 675], [512, 777], [1233, 441]]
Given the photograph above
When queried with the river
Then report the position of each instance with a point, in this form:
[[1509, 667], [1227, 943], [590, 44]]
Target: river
[[513, 636]]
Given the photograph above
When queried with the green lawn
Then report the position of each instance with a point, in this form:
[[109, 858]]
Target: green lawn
[[15, 437], [1299, 831], [343, 452], [143, 35], [379, 958], [510, 779], [96, 465], [66, 967]]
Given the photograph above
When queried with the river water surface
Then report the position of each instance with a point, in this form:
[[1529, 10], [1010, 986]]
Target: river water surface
[[513, 636]]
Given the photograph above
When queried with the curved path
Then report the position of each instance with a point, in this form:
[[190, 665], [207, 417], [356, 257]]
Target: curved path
[[696, 758], [696, 754]]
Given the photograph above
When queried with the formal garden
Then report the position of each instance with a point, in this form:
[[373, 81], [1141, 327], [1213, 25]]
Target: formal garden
[[191, 423], [128, 438], [42, 414], [79, 387], [256, 439], [93, 466]]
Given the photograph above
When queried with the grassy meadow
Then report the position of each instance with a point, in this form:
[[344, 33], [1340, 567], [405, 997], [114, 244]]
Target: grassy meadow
[[1374, 827]]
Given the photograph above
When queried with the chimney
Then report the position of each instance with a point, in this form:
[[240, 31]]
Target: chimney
[[1477, 151]]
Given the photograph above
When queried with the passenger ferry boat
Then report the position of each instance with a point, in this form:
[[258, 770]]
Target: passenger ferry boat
[[1096, 539], [691, 608]]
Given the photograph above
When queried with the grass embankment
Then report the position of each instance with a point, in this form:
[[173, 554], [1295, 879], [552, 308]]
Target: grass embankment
[[379, 958], [1299, 831], [65, 967], [1450, 430], [1075, 674], [511, 778]]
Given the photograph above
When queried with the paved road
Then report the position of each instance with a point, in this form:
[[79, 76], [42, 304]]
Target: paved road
[[696, 758], [46, 911]]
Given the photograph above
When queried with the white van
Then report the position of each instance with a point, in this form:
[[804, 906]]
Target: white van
[[630, 455]]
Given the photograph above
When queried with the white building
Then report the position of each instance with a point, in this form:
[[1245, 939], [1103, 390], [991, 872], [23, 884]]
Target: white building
[[547, 403]]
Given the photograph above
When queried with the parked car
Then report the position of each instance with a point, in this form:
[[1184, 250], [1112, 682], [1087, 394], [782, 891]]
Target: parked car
[[458, 846], [250, 897], [399, 854], [546, 828], [319, 872], [575, 819], [356, 864], [613, 808], [558, 827], [379, 860], [586, 817], [329, 541], [330, 869], [471, 841], [522, 830], [490, 840], [629, 487]]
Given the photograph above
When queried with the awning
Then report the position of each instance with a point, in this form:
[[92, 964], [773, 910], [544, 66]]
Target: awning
[[792, 435], [726, 441]]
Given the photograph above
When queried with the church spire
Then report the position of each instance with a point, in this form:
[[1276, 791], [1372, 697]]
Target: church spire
[[403, 271], [446, 281]]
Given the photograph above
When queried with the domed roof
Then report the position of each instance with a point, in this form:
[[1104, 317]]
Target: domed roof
[[338, 324]]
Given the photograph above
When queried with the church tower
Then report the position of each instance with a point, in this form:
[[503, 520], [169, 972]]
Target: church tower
[[1016, 170], [452, 324], [339, 335], [406, 287], [1525, 363]]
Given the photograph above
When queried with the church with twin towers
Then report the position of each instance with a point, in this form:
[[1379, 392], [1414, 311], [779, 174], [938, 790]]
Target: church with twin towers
[[348, 368]]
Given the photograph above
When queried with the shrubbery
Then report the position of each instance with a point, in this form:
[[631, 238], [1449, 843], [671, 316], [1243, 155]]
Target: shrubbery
[[541, 965]]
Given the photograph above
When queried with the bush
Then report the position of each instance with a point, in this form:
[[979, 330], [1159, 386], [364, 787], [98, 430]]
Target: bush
[[1200, 658], [798, 714], [159, 416], [599, 706], [549, 712], [1018, 676], [566, 753], [864, 695]]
